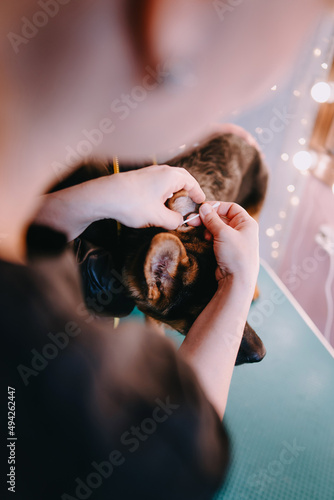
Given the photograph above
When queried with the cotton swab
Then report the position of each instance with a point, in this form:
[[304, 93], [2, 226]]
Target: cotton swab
[[197, 215]]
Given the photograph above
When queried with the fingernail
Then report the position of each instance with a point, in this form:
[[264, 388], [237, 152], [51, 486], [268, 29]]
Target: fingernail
[[205, 209]]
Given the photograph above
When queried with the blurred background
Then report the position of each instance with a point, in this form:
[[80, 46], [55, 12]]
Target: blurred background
[[294, 126]]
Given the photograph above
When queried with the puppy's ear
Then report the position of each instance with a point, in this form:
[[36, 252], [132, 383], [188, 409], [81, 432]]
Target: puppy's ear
[[162, 260], [181, 202]]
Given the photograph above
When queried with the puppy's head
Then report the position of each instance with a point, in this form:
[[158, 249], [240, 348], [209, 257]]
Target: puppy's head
[[171, 276]]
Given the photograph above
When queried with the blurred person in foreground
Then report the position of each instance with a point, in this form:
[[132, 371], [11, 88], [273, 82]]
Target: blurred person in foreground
[[101, 414]]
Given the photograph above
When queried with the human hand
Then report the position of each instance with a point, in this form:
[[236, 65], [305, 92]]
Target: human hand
[[143, 194], [235, 240], [136, 199]]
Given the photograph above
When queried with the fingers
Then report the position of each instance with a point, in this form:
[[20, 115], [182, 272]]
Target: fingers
[[235, 216], [170, 220], [231, 210], [212, 221], [184, 180], [226, 210], [238, 217], [194, 222], [174, 179], [197, 221]]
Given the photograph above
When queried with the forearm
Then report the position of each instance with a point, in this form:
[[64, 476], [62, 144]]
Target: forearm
[[212, 344], [135, 198], [73, 209]]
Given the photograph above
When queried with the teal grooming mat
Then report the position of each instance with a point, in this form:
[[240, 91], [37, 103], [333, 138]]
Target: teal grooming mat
[[280, 412]]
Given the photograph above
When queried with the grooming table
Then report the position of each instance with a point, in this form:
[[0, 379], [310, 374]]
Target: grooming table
[[280, 412]]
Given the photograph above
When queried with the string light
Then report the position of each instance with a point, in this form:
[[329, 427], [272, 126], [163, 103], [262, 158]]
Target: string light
[[303, 160], [323, 92], [304, 172]]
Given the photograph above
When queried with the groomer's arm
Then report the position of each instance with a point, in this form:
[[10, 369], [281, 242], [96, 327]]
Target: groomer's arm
[[136, 199], [212, 344]]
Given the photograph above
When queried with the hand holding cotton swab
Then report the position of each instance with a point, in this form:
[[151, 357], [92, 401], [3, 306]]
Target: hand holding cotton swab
[[215, 205]]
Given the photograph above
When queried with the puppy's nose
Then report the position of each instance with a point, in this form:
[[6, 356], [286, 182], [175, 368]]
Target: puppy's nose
[[256, 356]]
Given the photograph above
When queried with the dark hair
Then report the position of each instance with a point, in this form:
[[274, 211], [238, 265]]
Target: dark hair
[[77, 411]]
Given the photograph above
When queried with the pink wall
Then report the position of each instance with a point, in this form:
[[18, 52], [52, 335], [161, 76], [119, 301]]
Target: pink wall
[[305, 266]]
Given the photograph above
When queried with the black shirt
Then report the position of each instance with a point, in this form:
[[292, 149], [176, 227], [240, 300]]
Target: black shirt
[[99, 413]]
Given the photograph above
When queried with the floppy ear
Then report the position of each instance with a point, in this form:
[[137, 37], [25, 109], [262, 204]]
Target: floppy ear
[[162, 260], [181, 202]]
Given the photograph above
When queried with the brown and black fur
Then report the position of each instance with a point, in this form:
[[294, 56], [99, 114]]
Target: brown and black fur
[[228, 169], [170, 275]]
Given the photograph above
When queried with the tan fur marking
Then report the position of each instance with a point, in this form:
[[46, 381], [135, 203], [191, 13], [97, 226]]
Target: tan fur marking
[[256, 293], [190, 274], [255, 211]]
